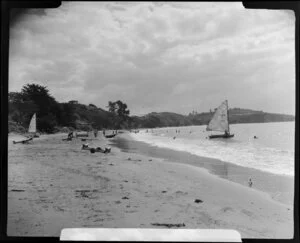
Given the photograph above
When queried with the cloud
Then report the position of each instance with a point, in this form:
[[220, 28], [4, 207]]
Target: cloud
[[158, 56]]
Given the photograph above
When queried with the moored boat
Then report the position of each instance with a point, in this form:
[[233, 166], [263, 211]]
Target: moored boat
[[220, 122]]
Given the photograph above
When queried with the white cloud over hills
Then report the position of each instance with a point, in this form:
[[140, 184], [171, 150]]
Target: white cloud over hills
[[174, 57]]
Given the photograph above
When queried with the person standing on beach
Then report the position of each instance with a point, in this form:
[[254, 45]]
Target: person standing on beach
[[250, 182], [70, 135]]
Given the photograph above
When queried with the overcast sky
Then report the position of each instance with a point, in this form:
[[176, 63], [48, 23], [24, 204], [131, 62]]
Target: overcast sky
[[175, 57]]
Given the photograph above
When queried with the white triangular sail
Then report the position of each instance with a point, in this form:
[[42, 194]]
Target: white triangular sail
[[219, 121], [32, 125]]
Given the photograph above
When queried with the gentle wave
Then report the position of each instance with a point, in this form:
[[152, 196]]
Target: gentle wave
[[243, 153]]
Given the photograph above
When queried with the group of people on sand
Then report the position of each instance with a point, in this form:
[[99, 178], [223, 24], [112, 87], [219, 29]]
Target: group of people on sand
[[71, 135], [135, 131], [97, 149]]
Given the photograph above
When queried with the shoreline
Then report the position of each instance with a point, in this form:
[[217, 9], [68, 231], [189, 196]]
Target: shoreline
[[279, 187], [53, 184]]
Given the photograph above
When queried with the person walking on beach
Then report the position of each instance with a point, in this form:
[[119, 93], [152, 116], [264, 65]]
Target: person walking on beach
[[250, 182]]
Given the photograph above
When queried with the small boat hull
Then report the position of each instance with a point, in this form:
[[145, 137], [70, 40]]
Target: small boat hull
[[82, 135], [221, 136], [110, 136]]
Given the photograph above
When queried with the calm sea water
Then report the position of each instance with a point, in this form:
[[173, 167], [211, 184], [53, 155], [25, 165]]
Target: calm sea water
[[272, 151]]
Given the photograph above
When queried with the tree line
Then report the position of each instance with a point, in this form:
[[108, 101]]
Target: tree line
[[53, 116]]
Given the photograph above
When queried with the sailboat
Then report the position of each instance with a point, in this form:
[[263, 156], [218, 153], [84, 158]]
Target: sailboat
[[32, 127], [31, 131], [219, 122]]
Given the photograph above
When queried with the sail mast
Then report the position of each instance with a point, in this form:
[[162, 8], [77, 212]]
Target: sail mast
[[227, 116]]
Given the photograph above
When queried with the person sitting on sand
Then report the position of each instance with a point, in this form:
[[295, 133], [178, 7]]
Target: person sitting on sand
[[70, 135], [98, 149], [250, 182], [93, 150], [106, 150], [85, 146]]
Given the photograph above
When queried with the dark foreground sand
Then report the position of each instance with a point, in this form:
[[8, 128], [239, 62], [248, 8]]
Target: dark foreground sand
[[53, 184]]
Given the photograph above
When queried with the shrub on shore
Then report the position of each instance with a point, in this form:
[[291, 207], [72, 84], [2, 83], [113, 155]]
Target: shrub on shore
[[14, 127]]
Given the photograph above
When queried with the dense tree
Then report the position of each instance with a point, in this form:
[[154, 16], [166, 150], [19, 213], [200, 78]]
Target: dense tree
[[53, 116], [48, 110], [66, 115], [92, 106], [33, 98], [119, 112], [20, 109], [15, 97], [40, 96]]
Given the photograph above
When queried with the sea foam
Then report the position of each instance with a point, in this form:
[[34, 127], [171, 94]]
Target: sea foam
[[241, 150]]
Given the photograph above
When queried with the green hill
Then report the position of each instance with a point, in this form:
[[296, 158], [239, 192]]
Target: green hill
[[238, 115], [87, 117], [162, 119], [53, 116]]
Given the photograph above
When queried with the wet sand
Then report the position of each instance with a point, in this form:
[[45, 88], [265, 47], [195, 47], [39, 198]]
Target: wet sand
[[279, 187], [53, 184]]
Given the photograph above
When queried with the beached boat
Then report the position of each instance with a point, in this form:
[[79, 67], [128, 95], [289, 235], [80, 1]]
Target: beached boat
[[31, 131], [219, 122], [111, 135]]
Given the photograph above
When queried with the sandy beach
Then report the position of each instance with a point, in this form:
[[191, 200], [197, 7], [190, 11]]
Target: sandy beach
[[53, 184]]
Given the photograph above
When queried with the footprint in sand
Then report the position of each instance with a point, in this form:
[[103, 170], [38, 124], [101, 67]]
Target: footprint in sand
[[247, 212], [227, 209], [181, 193], [98, 220]]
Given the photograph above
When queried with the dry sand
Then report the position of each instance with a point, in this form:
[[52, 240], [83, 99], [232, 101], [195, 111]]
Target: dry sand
[[53, 184]]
